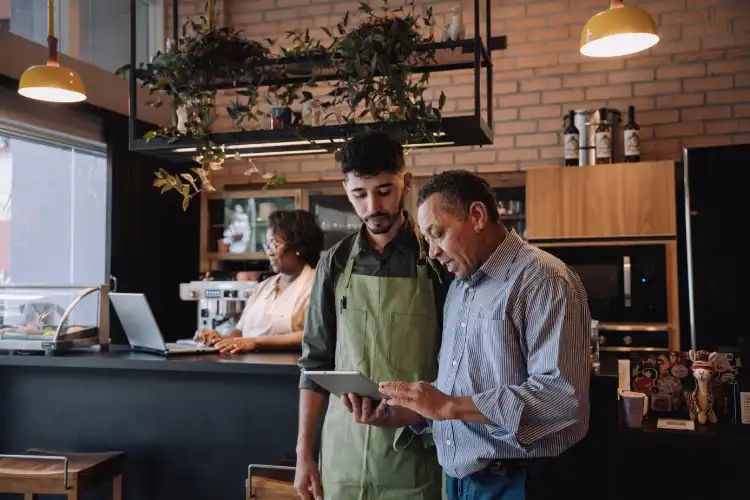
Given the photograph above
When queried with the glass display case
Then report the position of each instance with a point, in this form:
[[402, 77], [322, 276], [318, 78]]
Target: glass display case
[[49, 318], [335, 215], [511, 205], [237, 222]]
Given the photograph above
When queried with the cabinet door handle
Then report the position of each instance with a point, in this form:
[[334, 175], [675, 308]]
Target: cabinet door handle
[[627, 281]]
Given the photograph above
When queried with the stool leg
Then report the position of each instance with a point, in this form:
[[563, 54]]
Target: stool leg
[[29, 496], [117, 488], [73, 494]]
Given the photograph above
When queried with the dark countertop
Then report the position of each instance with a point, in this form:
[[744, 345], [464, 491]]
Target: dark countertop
[[122, 358]]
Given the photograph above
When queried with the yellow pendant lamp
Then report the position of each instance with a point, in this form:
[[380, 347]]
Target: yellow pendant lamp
[[51, 82], [618, 31]]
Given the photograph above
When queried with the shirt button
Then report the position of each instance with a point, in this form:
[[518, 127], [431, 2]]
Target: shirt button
[[455, 362], [463, 325], [448, 442]]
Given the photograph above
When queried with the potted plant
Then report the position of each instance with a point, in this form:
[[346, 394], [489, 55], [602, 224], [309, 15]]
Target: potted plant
[[304, 55], [203, 55], [372, 61]]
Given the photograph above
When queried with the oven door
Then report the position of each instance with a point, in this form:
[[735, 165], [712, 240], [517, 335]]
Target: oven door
[[614, 338], [624, 283]]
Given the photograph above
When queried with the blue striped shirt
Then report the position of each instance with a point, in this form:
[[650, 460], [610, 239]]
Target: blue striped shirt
[[516, 339]]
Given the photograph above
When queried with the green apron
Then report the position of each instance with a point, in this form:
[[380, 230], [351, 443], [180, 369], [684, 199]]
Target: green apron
[[387, 328]]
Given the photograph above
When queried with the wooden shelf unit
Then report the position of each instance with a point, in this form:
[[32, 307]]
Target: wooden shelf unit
[[624, 200]]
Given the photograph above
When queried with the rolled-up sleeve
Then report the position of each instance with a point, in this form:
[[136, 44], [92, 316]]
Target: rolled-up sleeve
[[319, 338], [553, 324]]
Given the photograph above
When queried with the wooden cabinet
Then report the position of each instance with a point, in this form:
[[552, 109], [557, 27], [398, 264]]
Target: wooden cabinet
[[601, 201]]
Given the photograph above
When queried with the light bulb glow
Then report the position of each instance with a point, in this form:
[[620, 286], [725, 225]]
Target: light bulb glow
[[51, 83], [52, 95], [619, 45]]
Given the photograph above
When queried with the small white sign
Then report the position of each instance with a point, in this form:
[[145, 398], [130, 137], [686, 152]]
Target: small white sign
[[675, 424], [745, 407]]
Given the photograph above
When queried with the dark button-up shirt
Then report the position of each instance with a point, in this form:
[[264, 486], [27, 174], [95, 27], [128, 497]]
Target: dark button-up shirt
[[398, 260], [516, 339]]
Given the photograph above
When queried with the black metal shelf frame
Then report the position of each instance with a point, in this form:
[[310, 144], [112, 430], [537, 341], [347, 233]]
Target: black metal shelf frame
[[472, 129]]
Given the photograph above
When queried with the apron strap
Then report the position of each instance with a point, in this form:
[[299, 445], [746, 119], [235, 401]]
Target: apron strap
[[347, 274]]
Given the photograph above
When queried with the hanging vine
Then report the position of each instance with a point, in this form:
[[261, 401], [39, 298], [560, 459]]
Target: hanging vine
[[371, 60]]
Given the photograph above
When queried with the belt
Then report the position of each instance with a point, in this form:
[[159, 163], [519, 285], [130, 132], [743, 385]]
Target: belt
[[510, 467]]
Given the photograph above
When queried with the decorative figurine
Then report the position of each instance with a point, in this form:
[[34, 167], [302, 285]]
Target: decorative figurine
[[237, 235], [182, 119], [700, 401], [455, 30]]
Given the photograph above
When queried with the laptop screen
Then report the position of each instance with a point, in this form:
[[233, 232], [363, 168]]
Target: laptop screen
[[138, 321]]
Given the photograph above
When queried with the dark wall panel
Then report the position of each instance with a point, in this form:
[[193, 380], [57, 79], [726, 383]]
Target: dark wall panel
[[154, 244]]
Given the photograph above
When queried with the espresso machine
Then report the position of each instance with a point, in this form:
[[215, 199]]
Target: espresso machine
[[220, 303]]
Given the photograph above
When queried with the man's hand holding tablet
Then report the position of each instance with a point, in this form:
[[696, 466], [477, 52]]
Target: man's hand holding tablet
[[357, 392]]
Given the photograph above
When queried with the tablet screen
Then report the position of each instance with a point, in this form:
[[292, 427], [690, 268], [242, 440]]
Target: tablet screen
[[341, 382]]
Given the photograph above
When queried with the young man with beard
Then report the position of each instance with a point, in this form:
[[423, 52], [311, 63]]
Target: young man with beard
[[376, 306]]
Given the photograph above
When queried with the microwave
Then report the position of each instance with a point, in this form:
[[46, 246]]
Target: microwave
[[625, 283]]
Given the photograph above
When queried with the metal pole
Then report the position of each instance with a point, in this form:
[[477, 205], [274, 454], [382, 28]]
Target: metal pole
[[488, 21], [133, 91], [477, 62], [689, 251], [175, 23]]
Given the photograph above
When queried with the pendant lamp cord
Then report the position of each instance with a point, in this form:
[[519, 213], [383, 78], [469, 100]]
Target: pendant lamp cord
[[51, 40], [210, 13], [616, 4]]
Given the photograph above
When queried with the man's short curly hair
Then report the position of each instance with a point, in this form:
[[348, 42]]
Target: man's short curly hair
[[458, 189], [371, 153], [301, 233]]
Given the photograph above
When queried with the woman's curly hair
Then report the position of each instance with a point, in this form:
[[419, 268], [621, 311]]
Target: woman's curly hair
[[300, 232]]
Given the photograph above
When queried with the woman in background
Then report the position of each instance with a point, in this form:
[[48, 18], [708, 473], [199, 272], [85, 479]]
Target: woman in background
[[274, 316]]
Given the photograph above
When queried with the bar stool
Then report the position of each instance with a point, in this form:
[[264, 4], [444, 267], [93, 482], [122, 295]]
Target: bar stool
[[38, 472], [264, 488]]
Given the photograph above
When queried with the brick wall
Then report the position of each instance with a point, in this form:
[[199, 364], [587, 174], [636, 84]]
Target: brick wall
[[691, 89]]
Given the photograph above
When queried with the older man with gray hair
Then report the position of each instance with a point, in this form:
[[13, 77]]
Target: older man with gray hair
[[512, 392]]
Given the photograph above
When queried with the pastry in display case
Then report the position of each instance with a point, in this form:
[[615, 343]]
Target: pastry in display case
[[51, 318]]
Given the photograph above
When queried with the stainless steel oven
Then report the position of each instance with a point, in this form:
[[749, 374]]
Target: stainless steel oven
[[620, 338], [625, 283]]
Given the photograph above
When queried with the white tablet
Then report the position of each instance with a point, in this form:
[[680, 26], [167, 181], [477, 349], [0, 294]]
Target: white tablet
[[341, 382]]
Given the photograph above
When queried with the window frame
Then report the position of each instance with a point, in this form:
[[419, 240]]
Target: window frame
[[50, 138]]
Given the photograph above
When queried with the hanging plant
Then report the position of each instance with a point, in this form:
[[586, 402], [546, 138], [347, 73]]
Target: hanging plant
[[187, 72], [372, 62]]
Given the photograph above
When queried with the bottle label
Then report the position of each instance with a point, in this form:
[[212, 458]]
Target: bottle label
[[603, 144], [632, 143], [570, 145]]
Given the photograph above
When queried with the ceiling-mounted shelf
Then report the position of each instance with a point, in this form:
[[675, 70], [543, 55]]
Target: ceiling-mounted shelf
[[454, 131], [426, 58], [473, 129]]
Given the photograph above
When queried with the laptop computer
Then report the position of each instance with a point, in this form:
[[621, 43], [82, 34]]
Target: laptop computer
[[141, 329]]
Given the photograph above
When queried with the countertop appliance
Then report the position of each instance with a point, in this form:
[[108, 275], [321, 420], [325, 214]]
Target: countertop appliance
[[219, 302], [713, 185]]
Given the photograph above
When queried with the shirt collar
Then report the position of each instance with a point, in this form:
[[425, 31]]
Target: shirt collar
[[405, 239], [272, 282], [499, 263]]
